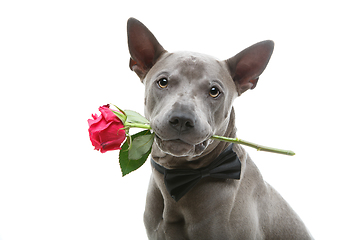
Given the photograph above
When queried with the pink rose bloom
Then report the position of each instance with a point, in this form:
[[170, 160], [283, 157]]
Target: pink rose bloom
[[106, 131]]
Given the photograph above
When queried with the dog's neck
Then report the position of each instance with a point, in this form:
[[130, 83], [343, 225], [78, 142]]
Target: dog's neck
[[215, 148]]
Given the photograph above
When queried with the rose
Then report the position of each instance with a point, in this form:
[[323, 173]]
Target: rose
[[109, 130], [106, 131]]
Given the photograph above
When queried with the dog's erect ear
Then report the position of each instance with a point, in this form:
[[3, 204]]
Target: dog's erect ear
[[143, 47], [246, 66]]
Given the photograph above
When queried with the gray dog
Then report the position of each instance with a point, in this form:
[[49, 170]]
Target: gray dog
[[202, 188]]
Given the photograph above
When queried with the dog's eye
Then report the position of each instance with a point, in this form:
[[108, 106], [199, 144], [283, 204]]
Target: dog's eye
[[163, 83], [214, 92]]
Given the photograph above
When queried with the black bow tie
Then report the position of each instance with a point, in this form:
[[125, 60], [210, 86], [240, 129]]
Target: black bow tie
[[179, 181]]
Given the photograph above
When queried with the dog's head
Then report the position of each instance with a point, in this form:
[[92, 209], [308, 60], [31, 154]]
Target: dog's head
[[189, 95]]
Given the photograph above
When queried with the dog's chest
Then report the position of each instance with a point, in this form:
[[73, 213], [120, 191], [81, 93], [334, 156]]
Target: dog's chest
[[203, 213]]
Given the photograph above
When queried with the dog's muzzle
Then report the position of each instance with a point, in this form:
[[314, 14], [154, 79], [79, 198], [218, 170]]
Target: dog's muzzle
[[182, 131]]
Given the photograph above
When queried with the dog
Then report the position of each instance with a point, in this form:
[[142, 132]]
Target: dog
[[188, 98]]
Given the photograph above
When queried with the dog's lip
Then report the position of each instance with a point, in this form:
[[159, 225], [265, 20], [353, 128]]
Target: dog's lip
[[182, 140], [198, 148]]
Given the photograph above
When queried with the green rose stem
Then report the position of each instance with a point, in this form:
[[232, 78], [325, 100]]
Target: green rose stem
[[225, 139], [136, 125], [253, 145]]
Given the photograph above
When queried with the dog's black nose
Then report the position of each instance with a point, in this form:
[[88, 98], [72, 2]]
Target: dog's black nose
[[181, 122]]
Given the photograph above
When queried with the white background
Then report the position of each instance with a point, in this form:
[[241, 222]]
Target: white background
[[61, 60]]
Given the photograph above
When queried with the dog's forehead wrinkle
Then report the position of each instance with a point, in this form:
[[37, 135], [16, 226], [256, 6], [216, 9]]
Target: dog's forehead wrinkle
[[195, 65], [191, 71]]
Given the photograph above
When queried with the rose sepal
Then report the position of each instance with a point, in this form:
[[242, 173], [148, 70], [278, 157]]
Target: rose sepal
[[134, 117], [121, 114]]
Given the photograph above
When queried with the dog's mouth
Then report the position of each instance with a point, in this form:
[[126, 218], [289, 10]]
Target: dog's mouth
[[180, 148]]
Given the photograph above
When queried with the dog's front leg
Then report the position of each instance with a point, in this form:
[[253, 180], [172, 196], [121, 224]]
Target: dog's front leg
[[154, 208], [156, 227]]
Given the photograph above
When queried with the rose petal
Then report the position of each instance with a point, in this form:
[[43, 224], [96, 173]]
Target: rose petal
[[108, 114], [94, 138], [101, 125], [112, 132], [95, 119], [109, 146]]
